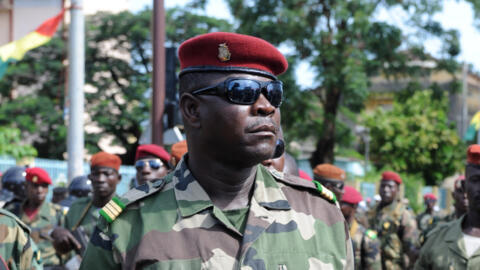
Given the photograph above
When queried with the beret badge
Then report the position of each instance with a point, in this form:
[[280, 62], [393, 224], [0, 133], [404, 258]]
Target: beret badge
[[223, 52], [35, 179]]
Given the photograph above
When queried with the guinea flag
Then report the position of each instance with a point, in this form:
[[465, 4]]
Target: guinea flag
[[15, 50], [473, 128]]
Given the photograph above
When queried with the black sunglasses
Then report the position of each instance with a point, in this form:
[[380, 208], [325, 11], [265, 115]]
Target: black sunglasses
[[152, 163], [334, 183], [246, 91]]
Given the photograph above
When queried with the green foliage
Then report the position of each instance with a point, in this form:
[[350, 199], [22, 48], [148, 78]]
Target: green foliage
[[11, 145], [415, 137]]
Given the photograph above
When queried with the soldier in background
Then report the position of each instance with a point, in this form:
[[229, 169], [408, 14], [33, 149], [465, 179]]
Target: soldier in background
[[17, 249], [332, 177], [59, 194], [221, 209], [80, 187], [366, 246], [460, 201], [40, 215], [84, 212], [13, 186], [456, 245], [151, 162], [427, 219], [395, 224]]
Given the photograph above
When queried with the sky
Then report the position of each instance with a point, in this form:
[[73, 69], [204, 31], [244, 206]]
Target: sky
[[455, 15]]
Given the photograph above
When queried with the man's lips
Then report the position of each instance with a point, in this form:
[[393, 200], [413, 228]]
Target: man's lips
[[263, 128]]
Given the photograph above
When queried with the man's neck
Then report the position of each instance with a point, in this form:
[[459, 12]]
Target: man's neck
[[32, 205], [471, 224], [227, 186], [99, 202]]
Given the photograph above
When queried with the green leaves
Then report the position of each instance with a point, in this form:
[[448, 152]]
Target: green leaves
[[415, 137], [11, 145]]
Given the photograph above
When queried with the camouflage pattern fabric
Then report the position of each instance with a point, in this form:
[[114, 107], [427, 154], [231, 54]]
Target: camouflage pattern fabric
[[426, 221], [49, 216], [445, 249], [75, 212], [17, 249], [397, 230], [366, 247], [172, 224]]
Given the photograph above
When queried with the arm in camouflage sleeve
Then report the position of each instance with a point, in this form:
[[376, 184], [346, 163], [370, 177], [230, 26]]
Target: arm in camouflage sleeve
[[371, 251], [99, 253], [410, 235]]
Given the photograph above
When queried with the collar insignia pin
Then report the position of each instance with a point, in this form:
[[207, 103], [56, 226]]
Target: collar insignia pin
[[223, 52]]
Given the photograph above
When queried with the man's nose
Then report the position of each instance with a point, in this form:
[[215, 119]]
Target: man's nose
[[262, 106]]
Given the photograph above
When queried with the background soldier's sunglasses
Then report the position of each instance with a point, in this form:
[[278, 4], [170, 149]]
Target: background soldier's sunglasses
[[152, 163], [245, 91]]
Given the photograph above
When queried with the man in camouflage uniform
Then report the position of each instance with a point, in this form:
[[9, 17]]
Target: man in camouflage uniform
[[427, 220], [395, 224], [220, 209], [40, 215], [366, 246], [84, 212], [456, 245], [17, 249]]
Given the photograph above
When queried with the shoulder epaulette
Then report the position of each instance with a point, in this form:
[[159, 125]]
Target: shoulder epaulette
[[13, 216], [300, 182], [371, 234], [115, 206]]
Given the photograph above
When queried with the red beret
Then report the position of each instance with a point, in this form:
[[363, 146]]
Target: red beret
[[389, 175], [145, 150], [473, 154], [429, 196], [329, 172], [37, 176], [351, 195], [222, 51], [304, 175], [178, 150], [105, 159]]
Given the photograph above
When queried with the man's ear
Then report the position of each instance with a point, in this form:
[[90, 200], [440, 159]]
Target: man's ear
[[189, 106]]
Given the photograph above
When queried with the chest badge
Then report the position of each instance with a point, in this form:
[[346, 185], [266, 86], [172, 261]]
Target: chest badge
[[386, 225], [223, 52]]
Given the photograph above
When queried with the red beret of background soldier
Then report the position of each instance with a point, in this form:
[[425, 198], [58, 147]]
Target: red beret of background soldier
[[366, 246], [455, 245], [40, 215], [395, 224], [151, 162], [83, 214]]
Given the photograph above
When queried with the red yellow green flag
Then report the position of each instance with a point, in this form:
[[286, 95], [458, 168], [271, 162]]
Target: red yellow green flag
[[473, 128], [15, 50]]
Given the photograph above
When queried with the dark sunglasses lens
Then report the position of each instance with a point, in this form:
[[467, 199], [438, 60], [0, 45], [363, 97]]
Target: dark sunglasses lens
[[154, 164], [139, 164], [274, 93], [243, 91]]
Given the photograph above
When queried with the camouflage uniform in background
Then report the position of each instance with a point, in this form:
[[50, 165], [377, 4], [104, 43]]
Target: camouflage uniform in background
[[82, 213], [17, 249], [445, 249], [172, 224], [366, 247], [49, 216], [397, 230]]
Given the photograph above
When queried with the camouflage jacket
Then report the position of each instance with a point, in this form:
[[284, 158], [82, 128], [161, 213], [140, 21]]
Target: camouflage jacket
[[426, 221], [49, 216], [445, 249], [366, 247], [172, 224], [397, 230], [17, 249]]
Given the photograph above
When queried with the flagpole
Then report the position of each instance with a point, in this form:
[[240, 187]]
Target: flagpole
[[76, 70]]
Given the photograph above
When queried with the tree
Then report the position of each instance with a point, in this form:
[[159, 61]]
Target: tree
[[10, 144], [343, 44], [118, 67], [415, 137]]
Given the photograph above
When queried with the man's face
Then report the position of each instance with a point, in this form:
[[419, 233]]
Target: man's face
[[150, 168], [243, 135], [388, 191], [348, 210], [104, 181], [36, 193], [336, 187], [472, 188], [430, 203]]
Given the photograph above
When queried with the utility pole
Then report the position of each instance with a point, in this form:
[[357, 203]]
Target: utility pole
[[158, 76], [76, 70]]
